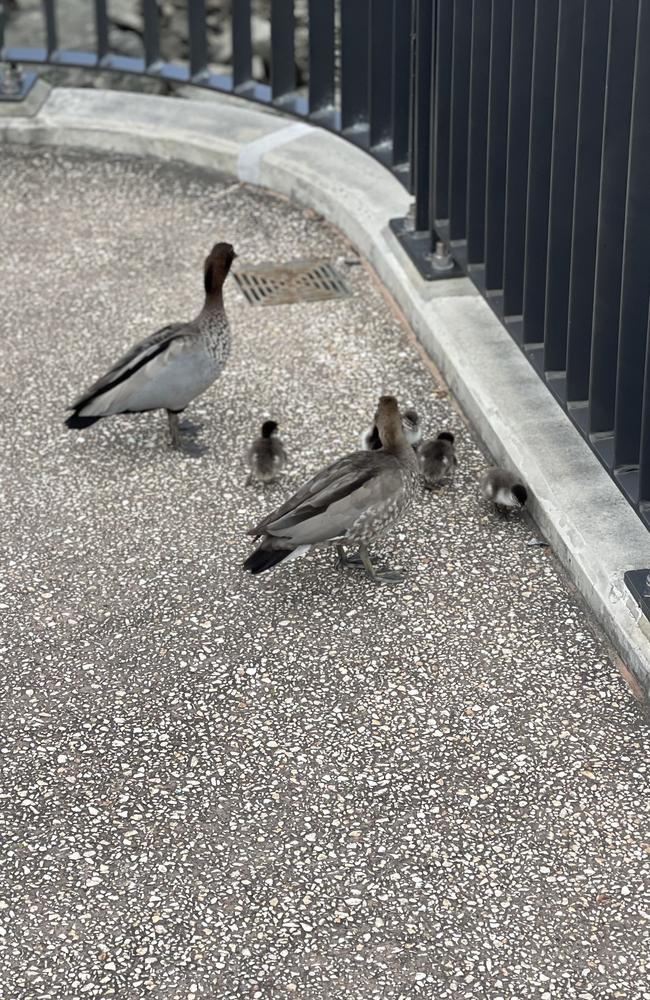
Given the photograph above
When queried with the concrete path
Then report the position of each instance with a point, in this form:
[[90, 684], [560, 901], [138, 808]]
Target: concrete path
[[298, 785]]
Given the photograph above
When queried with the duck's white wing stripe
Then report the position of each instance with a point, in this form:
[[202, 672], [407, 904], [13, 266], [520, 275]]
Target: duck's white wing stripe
[[167, 380], [131, 361]]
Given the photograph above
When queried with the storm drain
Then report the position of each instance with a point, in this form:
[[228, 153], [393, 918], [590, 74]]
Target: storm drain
[[300, 281]]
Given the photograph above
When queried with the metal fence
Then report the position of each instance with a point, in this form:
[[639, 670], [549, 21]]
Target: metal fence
[[522, 128]]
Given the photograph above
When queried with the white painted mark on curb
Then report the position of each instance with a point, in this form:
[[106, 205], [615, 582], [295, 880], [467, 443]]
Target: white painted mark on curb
[[250, 157]]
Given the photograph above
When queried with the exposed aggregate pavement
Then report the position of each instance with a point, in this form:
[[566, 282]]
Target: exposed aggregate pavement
[[297, 785]]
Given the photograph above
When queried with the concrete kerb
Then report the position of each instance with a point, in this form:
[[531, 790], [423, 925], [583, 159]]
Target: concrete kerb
[[591, 527]]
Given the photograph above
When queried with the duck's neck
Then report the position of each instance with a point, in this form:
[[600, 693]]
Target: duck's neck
[[394, 441], [213, 302]]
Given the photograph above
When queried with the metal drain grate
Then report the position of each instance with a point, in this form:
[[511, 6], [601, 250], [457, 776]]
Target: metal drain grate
[[300, 281]]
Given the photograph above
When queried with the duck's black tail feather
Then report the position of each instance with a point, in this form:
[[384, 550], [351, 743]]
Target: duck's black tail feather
[[265, 558], [77, 423]]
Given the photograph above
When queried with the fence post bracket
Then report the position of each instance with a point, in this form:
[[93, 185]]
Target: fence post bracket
[[637, 582], [14, 84], [417, 244]]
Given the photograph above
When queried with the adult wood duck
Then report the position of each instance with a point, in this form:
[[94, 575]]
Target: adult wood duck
[[171, 367], [350, 502]]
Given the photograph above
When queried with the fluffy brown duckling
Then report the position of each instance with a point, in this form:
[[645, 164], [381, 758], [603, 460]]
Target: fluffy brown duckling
[[349, 502], [438, 461], [501, 488], [266, 456], [172, 366]]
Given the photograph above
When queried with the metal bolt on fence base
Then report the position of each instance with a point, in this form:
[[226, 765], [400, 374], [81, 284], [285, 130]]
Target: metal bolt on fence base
[[409, 219], [441, 260], [14, 84], [432, 266], [11, 80]]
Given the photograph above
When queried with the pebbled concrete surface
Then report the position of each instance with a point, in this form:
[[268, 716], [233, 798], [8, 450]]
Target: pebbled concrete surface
[[299, 785]]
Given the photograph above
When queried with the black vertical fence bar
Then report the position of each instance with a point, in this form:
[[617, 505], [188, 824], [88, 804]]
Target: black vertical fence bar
[[3, 16], [441, 137], [460, 80], [521, 65], [421, 152], [283, 59], [539, 169], [591, 111], [635, 291], [242, 50], [497, 142], [563, 158], [101, 29], [321, 55], [381, 67], [644, 460], [151, 32], [478, 119], [412, 96], [50, 27], [402, 61], [198, 37], [611, 223], [354, 63]]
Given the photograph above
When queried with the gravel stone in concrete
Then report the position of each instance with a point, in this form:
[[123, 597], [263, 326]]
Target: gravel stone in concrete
[[299, 785]]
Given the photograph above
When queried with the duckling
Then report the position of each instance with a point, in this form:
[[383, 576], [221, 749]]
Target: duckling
[[348, 503], [172, 366], [266, 456], [504, 490], [370, 440], [438, 460]]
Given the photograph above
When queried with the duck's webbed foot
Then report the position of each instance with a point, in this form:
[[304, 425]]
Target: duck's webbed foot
[[351, 559], [388, 576], [378, 575], [194, 449], [190, 429]]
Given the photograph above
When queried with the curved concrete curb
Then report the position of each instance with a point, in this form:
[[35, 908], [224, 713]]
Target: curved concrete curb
[[591, 527]]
